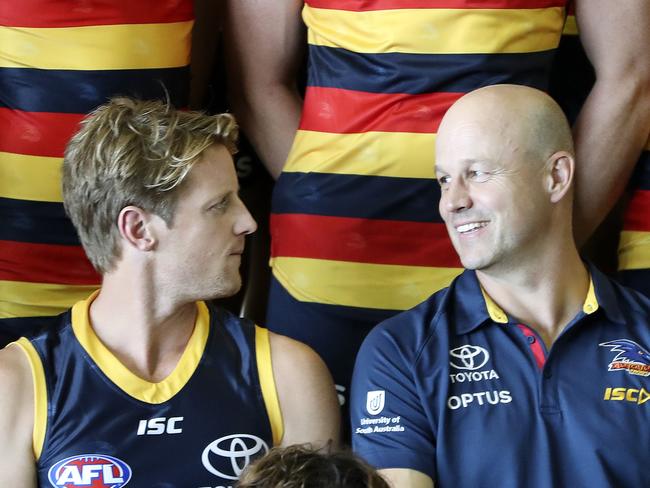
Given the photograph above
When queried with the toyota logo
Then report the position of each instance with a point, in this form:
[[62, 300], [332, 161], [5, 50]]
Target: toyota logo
[[238, 448], [468, 357]]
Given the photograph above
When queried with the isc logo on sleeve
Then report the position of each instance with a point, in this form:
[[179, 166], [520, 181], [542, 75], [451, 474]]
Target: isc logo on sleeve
[[96, 470]]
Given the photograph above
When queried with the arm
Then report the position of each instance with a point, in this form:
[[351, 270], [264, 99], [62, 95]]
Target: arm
[[406, 478], [264, 42], [308, 401], [614, 122], [17, 463]]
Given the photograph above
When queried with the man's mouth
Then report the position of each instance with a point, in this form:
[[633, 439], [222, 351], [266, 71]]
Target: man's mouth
[[470, 227]]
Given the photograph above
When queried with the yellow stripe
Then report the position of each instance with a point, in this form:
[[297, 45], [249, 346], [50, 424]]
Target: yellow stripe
[[20, 299], [590, 304], [358, 284], [370, 153], [570, 26], [267, 382], [26, 177], [103, 47], [496, 313], [40, 395], [436, 31], [122, 377], [634, 250]]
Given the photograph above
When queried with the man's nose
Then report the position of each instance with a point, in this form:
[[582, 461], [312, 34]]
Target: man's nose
[[456, 197], [245, 223]]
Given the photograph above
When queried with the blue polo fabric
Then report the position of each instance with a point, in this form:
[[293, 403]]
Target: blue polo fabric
[[458, 390]]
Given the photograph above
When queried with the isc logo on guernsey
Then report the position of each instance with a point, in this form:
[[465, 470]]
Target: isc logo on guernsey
[[96, 470]]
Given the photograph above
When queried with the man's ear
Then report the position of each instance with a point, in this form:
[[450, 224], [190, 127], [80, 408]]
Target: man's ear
[[135, 228], [560, 168]]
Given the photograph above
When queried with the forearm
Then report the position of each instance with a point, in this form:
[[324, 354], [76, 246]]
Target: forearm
[[610, 133], [269, 115]]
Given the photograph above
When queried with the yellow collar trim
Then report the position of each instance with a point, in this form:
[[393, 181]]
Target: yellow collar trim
[[126, 380], [497, 315]]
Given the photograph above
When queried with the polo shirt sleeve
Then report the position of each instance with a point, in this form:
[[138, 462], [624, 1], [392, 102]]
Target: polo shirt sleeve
[[390, 428]]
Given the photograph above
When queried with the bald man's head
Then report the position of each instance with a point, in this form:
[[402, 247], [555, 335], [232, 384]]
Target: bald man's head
[[519, 112], [505, 164]]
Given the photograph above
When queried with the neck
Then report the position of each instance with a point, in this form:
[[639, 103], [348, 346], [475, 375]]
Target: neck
[[145, 331], [546, 294]]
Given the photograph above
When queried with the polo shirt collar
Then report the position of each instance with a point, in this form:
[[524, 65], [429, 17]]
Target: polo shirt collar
[[474, 307]]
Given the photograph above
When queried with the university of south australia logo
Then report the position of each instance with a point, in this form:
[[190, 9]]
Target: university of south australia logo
[[90, 470], [631, 357], [375, 401]]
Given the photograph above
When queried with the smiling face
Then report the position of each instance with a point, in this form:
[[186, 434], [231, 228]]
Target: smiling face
[[492, 187], [198, 257]]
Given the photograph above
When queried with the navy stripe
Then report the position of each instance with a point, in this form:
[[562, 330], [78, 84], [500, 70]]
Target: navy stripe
[[35, 222], [74, 91], [425, 73], [368, 197], [641, 177]]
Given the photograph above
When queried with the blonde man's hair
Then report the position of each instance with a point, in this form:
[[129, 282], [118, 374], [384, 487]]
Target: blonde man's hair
[[132, 152]]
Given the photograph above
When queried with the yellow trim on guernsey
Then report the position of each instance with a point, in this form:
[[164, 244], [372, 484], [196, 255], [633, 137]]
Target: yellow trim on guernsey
[[122, 377], [97, 47], [267, 383], [22, 299], [436, 31], [633, 250], [381, 286], [570, 26], [589, 306], [367, 154], [36, 178], [40, 395]]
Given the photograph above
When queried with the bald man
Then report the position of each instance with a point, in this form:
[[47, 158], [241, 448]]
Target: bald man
[[532, 368]]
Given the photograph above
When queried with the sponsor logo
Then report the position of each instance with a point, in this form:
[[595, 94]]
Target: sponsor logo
[[468, 357], [238, 449], [380, 424], [633, 395], [631, 357], [96, 470], [375, 401], [464, 400], [464, 376], [160, 425]]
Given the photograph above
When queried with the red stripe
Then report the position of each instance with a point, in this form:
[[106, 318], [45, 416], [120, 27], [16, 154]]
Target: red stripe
[[348, 111], [535, 347], [36, 133], [366, 5], [45, 263], [637, 215], [66, 13], [362, 240]]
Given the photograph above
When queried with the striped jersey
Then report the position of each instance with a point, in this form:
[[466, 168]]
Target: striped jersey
[[58, 61], [355, 220], [98, 424]]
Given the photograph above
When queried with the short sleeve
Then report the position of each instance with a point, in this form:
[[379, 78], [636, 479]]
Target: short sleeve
[[390, 428]]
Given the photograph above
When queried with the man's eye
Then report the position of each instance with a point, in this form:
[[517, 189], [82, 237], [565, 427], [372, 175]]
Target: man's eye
[[478, 175], [443, 181], [220, 205]]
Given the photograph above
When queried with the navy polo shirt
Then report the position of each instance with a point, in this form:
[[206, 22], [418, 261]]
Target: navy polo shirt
[[458, 390]]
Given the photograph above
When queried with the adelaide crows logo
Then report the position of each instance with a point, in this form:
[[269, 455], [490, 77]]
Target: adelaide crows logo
[[631, 357]]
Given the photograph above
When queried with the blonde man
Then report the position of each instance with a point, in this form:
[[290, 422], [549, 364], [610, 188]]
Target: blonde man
[[144, 382]]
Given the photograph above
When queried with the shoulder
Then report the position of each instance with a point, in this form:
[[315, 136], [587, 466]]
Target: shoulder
[[306, 393], [16, 393], [407, 333]]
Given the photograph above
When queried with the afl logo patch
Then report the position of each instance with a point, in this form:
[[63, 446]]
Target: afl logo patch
[[96, 470], [468, 357], [237, 450]]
